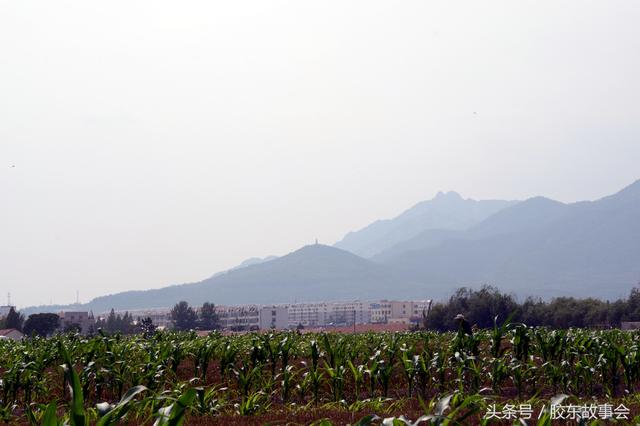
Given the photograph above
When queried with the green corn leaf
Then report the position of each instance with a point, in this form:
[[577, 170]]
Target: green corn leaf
[[173, 415], [117, 412], [50, 417], [77, 402]]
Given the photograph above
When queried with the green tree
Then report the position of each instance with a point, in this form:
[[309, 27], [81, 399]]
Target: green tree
[[116, 323], [209, 319], [111, 324], [14, 320], [41, 324], [147, 327], [183, 316], [125, 324]]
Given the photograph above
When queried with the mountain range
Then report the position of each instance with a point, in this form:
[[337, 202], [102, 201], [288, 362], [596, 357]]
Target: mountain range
[[447, 211], [314, 272], [536, 247]]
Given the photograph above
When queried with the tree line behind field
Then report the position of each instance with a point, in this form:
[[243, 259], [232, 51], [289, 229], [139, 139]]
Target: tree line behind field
[[480, 307], [183, 316]]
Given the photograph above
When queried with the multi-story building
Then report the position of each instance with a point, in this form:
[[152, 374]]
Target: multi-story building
[[239, 318], [161, 317], [380, 312], [409, 310], [235, 318], [252, 317], [81, 319], [321, 314], [349, 313], [307, 314], [399, 311], [273, 317]]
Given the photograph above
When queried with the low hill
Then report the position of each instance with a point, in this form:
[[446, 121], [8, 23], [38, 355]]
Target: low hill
[[312, 273]]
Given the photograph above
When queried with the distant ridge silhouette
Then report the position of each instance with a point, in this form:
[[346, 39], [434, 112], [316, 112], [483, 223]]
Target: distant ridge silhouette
[[534, 247], [446, 211]]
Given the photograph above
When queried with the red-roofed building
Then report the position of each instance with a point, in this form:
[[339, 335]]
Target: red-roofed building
[[11, 333]]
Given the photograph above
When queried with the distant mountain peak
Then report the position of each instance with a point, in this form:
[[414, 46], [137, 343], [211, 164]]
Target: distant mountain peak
[[446, 211], [451, 195], [316, 246], [312, 250], [539, 200], [536, 246]]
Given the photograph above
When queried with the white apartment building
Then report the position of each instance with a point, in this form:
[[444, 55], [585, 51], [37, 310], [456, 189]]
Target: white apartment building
[[380, 312], [320, 314], [307, 314], [406, 311], [273, 317], [160, 317], [347, 313], [239, 318], [252, 317], [235, 318], [409, 309]]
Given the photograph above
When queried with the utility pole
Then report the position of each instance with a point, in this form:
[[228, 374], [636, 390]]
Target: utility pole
[[9, 299], [354, 320]]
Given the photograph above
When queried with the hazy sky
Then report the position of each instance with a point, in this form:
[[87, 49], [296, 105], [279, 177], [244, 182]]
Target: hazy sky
[[147, 143]]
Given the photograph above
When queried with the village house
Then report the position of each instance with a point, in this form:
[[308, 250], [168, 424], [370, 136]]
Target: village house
[[11, 333]]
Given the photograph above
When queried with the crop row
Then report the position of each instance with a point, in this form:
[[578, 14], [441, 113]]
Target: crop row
[[167, 376]]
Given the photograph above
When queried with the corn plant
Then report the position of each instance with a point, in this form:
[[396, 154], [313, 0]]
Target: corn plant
[[410, 367], [173, 414]]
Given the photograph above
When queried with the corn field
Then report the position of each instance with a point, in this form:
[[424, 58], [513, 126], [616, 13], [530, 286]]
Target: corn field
[[291, 378]]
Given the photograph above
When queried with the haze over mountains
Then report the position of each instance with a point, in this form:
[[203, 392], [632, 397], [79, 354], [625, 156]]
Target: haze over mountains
[[534, 247], [539, 247], [447, 211], [314, 272]]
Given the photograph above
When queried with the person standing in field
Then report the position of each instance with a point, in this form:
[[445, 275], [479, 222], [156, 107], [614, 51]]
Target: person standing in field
[[463, 325]]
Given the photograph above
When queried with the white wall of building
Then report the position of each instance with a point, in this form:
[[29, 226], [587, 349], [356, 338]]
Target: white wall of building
[[274, 317]]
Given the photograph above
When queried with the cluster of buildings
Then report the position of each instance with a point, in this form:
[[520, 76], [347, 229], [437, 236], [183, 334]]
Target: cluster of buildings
[[328, 314], [307, 314], [311, 315]]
